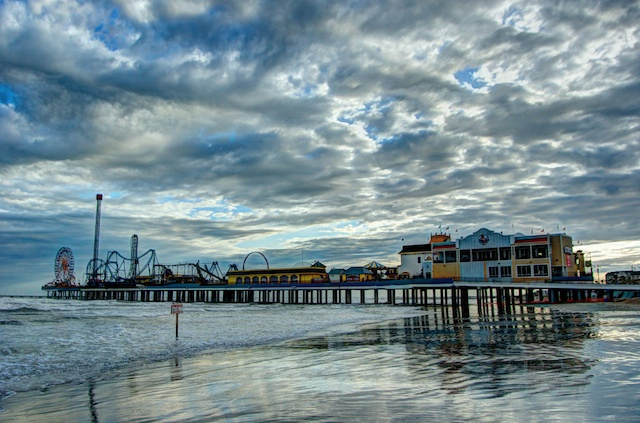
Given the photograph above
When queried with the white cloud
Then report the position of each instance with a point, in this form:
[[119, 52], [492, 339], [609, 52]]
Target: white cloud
[[212, 130]]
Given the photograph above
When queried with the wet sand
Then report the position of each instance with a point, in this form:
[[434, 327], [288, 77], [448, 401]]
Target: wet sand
[[536, 367]]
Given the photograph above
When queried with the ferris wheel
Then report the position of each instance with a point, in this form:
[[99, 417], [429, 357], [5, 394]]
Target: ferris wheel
[[64, 266]]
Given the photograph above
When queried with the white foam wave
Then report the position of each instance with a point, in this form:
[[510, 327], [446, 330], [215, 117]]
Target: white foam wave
[[72, 341]]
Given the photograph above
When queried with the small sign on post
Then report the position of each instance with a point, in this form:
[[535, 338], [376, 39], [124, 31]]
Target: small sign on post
[[176, 308]]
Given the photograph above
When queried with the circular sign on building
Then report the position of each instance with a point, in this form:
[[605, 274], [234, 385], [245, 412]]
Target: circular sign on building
[[483, 239]]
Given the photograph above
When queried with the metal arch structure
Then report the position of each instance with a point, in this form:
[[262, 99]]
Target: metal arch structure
[[215, 270], [255, 252], [149, 265], [189, 272], [118, 268], [210, 275], [95, 272]]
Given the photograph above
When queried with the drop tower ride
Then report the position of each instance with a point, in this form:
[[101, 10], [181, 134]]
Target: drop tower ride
[[96, 239]]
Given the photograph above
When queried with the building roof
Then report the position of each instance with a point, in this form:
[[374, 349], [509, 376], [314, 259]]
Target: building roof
[[336, 271], [444, 245], [282, 270], [439, 238], [531, 239], [417, 248], [357, 271]]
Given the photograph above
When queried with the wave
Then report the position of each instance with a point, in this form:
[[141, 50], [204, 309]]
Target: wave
[[24, 310], [83, 340]]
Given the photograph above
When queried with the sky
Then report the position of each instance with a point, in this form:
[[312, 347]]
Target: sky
[[307, 130]]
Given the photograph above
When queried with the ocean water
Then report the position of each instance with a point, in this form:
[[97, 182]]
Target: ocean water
[[109, 361]]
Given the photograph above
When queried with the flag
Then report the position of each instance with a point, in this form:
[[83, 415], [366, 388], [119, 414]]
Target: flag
[[542, 230], [564, 229], [456, 230], [447, 228]]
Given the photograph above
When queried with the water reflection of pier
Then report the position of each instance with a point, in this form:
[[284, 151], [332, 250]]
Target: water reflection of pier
[[487, 355]]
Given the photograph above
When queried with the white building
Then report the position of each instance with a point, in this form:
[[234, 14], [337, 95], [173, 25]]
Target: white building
[[413, 259]]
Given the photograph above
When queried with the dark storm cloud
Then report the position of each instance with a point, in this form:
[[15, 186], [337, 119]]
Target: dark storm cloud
[[214, 128]]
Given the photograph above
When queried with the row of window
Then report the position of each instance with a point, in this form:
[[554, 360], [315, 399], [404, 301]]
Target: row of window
[[523, 271], [264, 279], [491, 254], [505, 272]]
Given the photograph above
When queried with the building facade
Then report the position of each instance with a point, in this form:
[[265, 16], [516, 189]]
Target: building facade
[[486, 255], [335, 275], [412, 260], [416, 261], [316, 273]]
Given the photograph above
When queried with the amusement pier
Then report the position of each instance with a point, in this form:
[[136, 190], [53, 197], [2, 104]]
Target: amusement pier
[[484, 268], [418, 292]]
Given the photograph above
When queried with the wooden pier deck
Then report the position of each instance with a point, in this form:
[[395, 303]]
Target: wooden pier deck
[[410, 292]]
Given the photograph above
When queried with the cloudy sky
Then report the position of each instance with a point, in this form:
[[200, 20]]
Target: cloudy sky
[[313, 130]]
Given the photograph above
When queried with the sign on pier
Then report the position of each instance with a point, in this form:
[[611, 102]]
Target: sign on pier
[[176, 308]]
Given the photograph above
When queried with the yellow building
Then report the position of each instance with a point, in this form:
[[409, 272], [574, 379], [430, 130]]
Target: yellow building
[[563, 259], [546, 257], [532, 258], [315, 273], [445, 260], [357, 274]]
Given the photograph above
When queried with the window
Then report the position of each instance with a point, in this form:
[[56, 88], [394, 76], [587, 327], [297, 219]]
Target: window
[[540, 270], [284, 279], [450, 257], [438, 257], [505, 272], [238, 280], [523, 252], [524, 271], [493, 272], [273, 279], [540, 251], [485, 254], [255, 279], [465, 255], [247, 279], [505, 253], [294, 279], [263, 279], [556, 271], [419, 259]]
